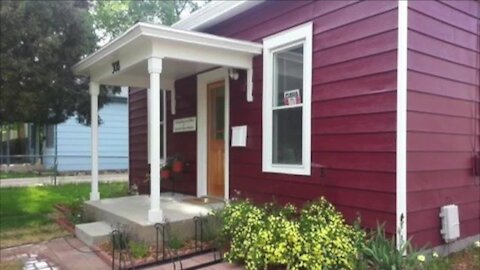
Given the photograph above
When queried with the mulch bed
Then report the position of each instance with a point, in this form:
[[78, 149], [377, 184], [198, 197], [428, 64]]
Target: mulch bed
[[104, 251]]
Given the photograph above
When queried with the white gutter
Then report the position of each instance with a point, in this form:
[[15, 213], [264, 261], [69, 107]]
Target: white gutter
[[213, 13]]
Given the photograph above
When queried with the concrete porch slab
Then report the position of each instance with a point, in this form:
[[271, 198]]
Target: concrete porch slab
[[131, 213], [93, 233]]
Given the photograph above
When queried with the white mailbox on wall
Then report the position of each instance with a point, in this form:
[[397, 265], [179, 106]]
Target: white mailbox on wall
[[239, 136]]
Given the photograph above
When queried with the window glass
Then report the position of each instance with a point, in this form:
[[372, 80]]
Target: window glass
[[50, 136], [288, 76], [287, 106], [287, 136]]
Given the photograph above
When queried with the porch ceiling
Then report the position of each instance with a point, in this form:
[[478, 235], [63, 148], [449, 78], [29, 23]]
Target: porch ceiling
[[183, 52]]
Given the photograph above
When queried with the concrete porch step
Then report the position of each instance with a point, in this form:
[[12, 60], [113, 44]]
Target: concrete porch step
[[93, 233]]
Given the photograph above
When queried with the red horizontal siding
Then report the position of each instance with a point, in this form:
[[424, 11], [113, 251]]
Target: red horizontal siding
[[183, 144], [443, 116], [138, 145], [353, 108]]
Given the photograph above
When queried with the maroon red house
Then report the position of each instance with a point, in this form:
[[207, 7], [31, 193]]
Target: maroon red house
[[372, 104]]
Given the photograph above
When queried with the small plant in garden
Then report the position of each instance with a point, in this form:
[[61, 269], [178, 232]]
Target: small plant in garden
[[139, 249], [76, 211], [174, 242], [380, 252]]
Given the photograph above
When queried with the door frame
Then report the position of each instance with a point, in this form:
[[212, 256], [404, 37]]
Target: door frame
[[203, 80]]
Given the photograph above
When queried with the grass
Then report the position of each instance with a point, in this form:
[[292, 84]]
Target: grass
[[25, 212], [9, 175]]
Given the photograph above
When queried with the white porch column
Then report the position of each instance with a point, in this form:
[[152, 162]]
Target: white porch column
[[155, 69], [94, 90]]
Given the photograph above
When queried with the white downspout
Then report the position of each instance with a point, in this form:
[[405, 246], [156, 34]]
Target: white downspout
[[401, 165]]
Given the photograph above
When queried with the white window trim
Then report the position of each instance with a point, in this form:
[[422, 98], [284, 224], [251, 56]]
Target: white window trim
[[163, 123], [286, 39]]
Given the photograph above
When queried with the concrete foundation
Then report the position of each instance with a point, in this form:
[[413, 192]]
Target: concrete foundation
[[130, 214]]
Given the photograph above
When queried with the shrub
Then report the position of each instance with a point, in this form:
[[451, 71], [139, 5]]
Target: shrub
[[329, 243], [315, 238]]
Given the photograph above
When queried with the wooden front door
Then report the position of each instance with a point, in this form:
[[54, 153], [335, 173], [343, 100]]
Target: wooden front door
[[216, 139]]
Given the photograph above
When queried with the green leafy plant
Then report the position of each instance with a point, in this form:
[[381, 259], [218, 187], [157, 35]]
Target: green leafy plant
[[174, 242], [138, 250], [381, 252], [317, 237]]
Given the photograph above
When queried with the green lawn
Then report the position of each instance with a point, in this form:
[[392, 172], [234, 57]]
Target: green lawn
[[9, 175], [25, 212]]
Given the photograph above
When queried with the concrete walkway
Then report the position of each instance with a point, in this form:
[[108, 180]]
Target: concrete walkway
[[48, 180], [61, 253], [69, 253]]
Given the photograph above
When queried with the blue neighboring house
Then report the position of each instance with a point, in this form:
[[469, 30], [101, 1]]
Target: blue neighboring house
[[71, 140]]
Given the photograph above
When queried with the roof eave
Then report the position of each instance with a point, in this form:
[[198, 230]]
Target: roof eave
[[214, 13]]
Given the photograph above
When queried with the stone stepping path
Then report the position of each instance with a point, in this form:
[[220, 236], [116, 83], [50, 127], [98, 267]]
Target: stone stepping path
[[33, 262]]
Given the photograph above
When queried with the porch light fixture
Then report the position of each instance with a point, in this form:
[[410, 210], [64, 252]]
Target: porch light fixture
[[233, 74]]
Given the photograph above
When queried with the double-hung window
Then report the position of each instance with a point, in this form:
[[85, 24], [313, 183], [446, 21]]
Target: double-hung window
[[287, 83]]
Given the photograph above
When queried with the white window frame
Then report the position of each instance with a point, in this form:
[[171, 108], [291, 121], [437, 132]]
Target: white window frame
[[163, 124], [287, 39]]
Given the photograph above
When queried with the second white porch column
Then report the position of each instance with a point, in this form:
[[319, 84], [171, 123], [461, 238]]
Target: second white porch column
[[155, 69], [94, 90]]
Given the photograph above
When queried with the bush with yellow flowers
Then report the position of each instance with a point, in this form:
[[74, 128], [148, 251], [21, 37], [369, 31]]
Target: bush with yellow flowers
[[317, 237]]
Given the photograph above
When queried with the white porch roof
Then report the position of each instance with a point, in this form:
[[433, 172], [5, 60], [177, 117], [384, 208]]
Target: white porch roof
[[183, 52], [154, 56]]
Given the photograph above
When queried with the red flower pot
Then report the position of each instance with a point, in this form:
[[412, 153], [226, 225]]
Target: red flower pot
[[177, 166], [165, 174]]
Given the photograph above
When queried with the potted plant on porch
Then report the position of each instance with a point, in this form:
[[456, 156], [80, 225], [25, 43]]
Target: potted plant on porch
[[177, 164], [165, 171]]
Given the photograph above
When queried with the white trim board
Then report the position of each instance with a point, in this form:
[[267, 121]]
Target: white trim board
[[203, 80], [302, 34], [401, 150]]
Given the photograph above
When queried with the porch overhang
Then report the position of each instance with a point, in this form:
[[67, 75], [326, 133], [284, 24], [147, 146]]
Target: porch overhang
[[153, 57], [183, 52]]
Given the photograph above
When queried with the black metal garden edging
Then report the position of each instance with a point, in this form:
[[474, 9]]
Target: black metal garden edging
[[125, 261]]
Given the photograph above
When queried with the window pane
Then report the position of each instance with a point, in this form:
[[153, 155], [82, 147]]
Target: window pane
[[50, 136], [288, 76], [287, 136]]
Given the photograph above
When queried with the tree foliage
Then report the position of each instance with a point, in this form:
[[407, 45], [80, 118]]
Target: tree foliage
[[40, 42], [111, 18]]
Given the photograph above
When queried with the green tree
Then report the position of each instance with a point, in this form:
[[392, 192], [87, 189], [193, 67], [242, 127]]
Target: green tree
[[40, 42], [112, 18]]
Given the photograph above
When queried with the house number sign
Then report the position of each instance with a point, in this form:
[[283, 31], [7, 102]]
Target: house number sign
[[184, 124]]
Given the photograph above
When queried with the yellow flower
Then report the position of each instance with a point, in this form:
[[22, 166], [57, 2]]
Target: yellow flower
[[477, 244], [421, 258], [435, 255]]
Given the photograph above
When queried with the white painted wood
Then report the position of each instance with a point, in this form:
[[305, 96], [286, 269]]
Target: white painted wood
[[302, 34], [401, 150], [250, 84], [94, 91], [203, 80], [134, 45], [155, 69]]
